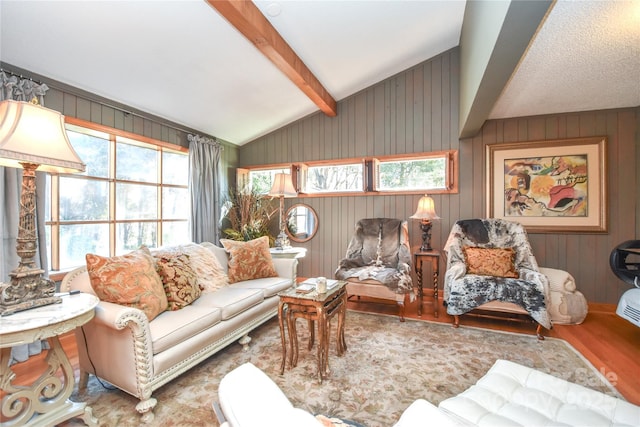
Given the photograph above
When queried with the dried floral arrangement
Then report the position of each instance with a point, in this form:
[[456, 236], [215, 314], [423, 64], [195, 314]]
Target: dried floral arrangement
[[246, 215]]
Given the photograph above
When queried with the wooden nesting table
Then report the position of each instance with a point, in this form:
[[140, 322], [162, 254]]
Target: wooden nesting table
[[313, 307]]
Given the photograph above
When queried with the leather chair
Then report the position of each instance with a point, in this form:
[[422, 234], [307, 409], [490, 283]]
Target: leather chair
[[378, 262], [491, 267]]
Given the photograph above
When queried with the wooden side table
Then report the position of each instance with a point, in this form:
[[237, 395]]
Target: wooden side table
[[313, 307], [46, 402], [418, 258]]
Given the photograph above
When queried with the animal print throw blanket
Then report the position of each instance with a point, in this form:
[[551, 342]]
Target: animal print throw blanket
[[379, 251], [463, 292]]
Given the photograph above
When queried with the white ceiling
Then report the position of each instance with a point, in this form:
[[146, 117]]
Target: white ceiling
[[585, 57], [182, 61]]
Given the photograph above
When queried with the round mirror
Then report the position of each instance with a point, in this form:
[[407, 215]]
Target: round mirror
[[302, 223]]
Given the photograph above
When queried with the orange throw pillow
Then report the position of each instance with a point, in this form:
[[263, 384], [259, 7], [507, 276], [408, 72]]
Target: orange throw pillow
[[249, 260], [129, 280], [497, 262]]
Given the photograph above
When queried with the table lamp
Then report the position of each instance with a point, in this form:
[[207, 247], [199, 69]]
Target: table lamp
[[31, 137], [282, 187], [426, 213]]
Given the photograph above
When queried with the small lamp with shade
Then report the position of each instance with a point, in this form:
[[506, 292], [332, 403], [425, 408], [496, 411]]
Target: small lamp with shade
[[426, 213]]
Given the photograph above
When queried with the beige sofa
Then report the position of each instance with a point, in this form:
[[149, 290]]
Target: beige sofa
[[121, 346]]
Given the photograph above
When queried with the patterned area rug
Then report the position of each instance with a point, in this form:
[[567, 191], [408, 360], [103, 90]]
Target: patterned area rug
[[387, 366]]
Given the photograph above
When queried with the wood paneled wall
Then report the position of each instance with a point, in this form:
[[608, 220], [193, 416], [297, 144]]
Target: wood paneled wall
[[416, 111], [585, 256]]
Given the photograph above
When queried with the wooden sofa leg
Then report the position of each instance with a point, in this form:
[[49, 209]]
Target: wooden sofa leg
[[539, 332], [83, 380], [401, 312], [456, 321]]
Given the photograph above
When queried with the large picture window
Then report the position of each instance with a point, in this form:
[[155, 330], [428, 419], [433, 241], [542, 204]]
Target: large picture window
[[134, 192]]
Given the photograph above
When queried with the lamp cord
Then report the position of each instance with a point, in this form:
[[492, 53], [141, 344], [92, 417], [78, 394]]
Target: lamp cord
[[95, 373]]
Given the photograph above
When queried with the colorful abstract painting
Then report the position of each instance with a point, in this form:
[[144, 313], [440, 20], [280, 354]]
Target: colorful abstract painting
[[546, 186]]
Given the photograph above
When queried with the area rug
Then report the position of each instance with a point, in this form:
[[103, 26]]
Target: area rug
[[387, 365]]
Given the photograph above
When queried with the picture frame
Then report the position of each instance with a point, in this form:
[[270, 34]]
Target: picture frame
[[556, 186]]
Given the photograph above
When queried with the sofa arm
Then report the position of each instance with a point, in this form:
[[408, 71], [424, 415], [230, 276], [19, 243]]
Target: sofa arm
[[261, 404], [118, 317], [118, 336], [286, 267], [559, 280], [420, 411]]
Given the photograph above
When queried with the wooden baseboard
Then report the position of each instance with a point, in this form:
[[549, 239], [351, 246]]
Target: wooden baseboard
[[597, 307]]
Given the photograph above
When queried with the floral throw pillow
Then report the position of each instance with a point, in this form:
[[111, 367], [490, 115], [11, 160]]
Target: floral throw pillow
[[129, 280], [497, 262], [249, 260], [178, 278]]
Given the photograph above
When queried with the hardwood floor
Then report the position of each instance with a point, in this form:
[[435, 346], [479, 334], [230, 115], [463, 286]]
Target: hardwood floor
[[609, 342]]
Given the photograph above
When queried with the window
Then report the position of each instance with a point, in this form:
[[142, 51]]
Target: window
[[348, 177], [261, 180], [134, 192], [416, 173], [424, 174]]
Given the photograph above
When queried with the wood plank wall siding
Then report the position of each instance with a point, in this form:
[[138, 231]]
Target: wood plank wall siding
[[417, 111]]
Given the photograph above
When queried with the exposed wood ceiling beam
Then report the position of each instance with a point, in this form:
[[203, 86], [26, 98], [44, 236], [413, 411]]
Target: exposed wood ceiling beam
[[247, 18]]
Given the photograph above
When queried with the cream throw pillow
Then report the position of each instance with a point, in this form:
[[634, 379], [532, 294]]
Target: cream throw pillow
[[211, 275]]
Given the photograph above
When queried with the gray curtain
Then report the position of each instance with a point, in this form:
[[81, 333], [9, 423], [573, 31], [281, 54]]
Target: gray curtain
[[204, 166], [10, 186]]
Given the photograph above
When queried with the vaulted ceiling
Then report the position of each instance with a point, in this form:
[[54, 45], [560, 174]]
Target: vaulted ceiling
[[183, 61]]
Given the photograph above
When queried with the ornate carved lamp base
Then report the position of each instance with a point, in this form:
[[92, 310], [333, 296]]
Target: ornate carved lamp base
[[282, 241], [27, 289], [425, 226]]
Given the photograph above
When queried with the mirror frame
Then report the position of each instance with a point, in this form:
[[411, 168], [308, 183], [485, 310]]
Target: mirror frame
[[311, 233]]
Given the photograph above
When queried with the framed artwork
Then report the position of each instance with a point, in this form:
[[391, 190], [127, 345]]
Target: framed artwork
[[549, 186]]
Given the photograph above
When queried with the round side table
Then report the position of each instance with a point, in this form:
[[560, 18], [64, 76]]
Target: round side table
[[46, 401]]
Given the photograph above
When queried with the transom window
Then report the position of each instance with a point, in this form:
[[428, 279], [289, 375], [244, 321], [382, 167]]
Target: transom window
[[424, 174], [417, 173], [134, 192], [347, 177]]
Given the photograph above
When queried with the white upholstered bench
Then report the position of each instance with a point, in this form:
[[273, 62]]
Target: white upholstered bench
[[510, 394]]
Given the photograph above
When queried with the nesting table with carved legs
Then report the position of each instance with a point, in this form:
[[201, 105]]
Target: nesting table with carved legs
[[46, 401], [313, 307]]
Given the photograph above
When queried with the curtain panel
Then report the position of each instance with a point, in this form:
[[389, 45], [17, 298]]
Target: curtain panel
[[204, 183]]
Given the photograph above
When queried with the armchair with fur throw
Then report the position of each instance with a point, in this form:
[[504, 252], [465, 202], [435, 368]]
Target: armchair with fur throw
[[378, 261]]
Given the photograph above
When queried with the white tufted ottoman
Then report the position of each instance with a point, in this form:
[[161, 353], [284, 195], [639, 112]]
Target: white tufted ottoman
[[514, 395]]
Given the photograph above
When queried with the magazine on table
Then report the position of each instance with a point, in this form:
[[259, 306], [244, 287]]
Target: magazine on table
[[331, 283]]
